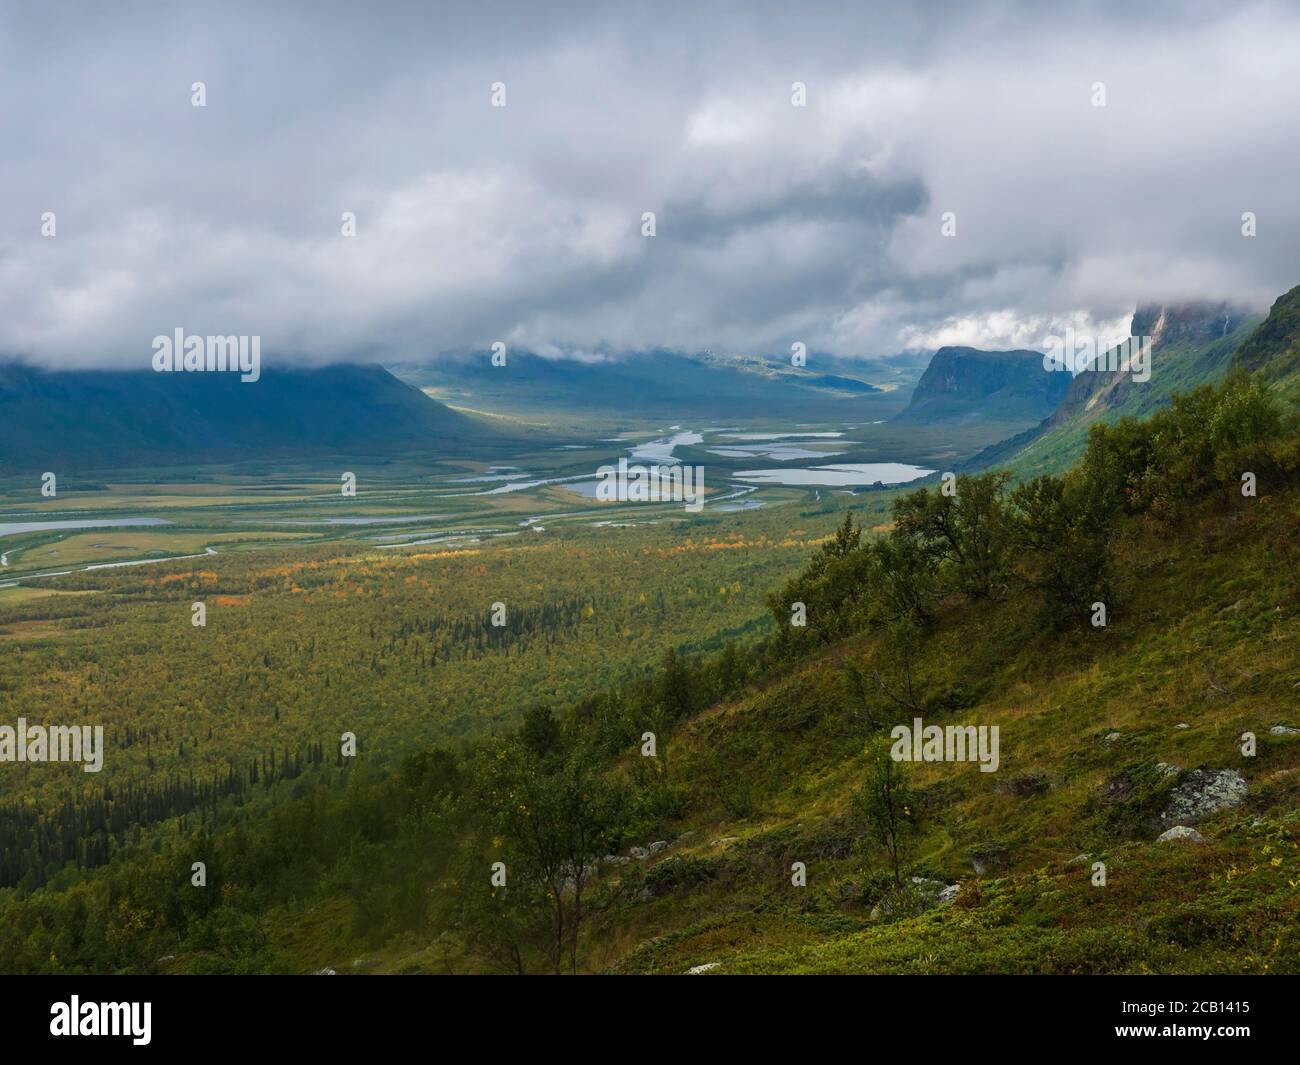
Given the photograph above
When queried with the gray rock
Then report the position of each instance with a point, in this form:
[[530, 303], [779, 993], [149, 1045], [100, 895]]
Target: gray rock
[[1180, 832], [708, 966], [324, 972], [1203, 792], [1110, 737], [1167, 769], [1182, 724], [1081, 859], [949, 894], [589, 873], [658, 847], [640, 854], [1284, 730], [989, 857]]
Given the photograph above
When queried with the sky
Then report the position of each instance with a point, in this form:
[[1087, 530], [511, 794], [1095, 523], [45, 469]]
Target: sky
[[774, 224]]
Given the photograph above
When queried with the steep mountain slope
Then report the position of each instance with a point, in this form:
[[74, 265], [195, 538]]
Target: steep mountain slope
[[1191, 344], [964, 384], [1087, 724], [1273, 350], [90, 419]]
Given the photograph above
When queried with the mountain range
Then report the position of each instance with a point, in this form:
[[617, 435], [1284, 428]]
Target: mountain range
[[95, 419], [669, 385]]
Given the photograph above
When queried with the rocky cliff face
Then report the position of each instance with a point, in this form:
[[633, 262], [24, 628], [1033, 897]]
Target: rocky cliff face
[[962, 384], [1177, 330]]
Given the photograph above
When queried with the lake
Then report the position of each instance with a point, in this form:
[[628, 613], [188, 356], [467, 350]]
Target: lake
[[841, 474], [14, 528]]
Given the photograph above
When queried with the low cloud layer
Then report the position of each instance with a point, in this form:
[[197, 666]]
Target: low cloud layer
[[775, 223]]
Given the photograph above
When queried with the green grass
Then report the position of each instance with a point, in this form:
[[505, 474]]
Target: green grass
[[1218, 595]]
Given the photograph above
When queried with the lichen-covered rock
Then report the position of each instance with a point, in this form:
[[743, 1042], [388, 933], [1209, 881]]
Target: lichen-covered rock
[[1203, 792]]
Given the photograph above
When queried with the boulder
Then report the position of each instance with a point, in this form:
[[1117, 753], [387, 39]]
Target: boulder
[[1180, 832], [708, 966], [1203, 792]]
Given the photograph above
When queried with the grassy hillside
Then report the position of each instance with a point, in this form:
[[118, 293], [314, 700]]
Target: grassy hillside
[[1206, 639]]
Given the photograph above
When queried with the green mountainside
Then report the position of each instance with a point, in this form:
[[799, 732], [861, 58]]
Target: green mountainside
[[1191, 344], [96, 419], [1274, 348]]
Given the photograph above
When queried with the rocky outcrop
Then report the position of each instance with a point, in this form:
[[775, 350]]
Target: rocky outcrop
[[1203, 792]]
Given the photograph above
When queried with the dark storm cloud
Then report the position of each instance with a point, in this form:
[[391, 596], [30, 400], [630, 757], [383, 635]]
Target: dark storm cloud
[[775, 223]]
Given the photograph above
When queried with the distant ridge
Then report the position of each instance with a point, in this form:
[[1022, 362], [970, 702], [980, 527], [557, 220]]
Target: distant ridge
[[101, 418], [666, 384]]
